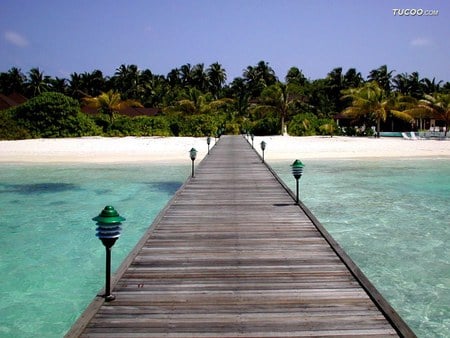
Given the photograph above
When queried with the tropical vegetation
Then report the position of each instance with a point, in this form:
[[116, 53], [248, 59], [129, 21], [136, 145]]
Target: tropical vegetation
[[195, 100]]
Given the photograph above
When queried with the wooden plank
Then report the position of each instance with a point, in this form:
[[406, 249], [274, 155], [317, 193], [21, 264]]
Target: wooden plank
[[232, 255]]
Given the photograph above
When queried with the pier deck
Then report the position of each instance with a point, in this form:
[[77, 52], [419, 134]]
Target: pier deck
[[232, 256]]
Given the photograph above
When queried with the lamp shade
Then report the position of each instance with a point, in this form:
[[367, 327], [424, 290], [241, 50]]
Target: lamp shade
[[108, 223], [297, 168], [263, 145], [193, 154]]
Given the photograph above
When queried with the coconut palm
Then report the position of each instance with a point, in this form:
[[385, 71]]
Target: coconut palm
[[186, 74], [110, 103], [216, 77], [382, 77], [174, 77], [279, 98], [352, 79], [371, 100], [238, 89], [295, 76], [195, 102], [58, 85], [259, 77], [127, 81], [12, 81], [37, 83], [199, 77], [430, 86], [436, 105]]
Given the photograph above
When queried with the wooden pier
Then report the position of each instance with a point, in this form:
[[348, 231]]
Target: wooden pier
[[232, 255]]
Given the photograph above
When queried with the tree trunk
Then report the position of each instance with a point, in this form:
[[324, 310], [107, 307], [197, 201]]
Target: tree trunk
[[282, 125]]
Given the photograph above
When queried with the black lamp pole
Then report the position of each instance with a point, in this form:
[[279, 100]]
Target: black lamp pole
[[297, 171], [108, 231], [193, 155], [263, 147]]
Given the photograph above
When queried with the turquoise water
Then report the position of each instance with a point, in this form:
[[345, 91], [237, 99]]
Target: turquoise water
[[392, 217]]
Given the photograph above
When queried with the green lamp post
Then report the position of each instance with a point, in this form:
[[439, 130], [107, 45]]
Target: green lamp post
[[263, 147], [208, 142], [108, 231], [297, 171], [193, 155]]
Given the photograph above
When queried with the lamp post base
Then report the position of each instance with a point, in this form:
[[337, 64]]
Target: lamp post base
[[109, 298]]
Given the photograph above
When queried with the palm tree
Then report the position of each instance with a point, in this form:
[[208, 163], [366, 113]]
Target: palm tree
[[186, 74], [59, 85], [110, 103], [195, 102], [239, 90], [174, 77], [280, 98], [126, 80], [414, 85], [12, 81], [382, 77], [199, 77], [37, 83], [436, 105], [400, 82], [94, 83], [295, 76], [217, 77], [75, 86], [371, 100], [430, 86], [258, 77], [352, 79]]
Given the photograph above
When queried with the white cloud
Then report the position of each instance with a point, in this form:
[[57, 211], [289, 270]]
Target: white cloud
[[16, 39], [420, 42]]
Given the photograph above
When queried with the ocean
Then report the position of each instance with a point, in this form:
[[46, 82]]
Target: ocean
[[391, 217]]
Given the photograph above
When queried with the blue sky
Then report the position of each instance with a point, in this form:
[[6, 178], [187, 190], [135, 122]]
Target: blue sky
[[61, 37]]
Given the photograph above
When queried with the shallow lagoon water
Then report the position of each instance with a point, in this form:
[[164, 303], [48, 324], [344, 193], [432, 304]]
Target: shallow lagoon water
[[392, 217]]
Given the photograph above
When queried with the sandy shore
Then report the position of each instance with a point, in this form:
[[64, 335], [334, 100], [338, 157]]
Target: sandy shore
[[175, 149], [318, 147]]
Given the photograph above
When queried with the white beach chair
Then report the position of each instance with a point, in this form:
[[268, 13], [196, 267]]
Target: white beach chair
[[413, 136], [406, 137]]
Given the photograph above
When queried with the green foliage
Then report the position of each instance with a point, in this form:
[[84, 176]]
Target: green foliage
[[266, 126], [53, 115], [139, 126], [9, 129], [199, 125], [328, 127], [303, 125], [81, 125], [196, 101]]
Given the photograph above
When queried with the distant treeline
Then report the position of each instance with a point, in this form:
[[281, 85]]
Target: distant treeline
[[198, 101]]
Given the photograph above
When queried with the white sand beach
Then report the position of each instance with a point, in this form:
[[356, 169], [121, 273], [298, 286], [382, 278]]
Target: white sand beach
[[176, 149], [320, 147]]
